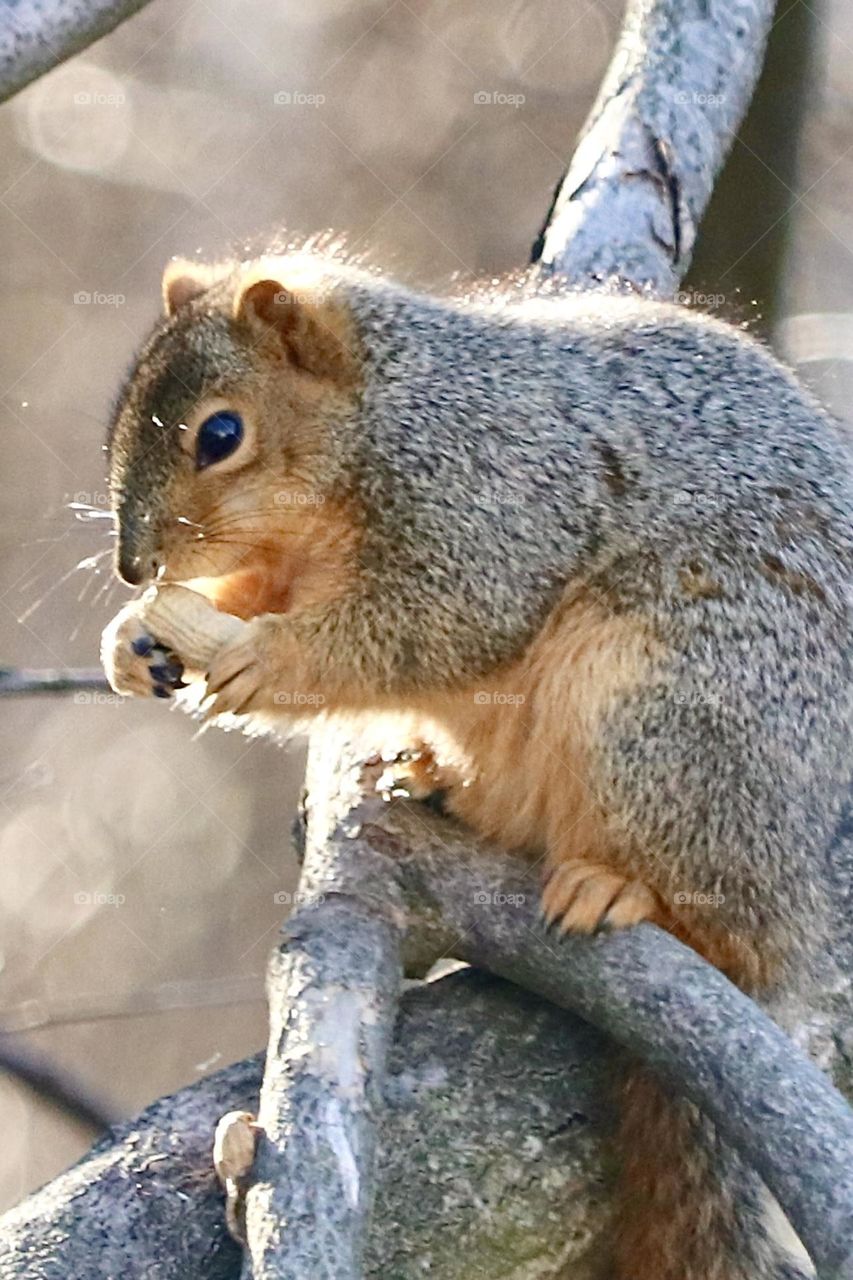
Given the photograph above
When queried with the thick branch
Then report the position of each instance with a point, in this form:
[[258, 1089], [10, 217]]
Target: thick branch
[[459, 1196], [676, 90], [36, 35], [333, 987]]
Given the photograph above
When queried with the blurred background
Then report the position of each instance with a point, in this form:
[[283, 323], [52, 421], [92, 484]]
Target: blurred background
[[143, 871]]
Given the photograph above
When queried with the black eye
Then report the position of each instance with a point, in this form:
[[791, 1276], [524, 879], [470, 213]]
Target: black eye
[[218, 437]]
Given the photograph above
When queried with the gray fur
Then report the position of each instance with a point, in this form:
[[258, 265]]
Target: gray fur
[[502, 447]]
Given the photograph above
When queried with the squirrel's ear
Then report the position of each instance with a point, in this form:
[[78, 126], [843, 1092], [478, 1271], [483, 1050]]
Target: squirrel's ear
[[183, 281], [313, 332]]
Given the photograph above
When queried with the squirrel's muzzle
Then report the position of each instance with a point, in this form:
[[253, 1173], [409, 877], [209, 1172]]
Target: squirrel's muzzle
[[134, 570], [137, 558]]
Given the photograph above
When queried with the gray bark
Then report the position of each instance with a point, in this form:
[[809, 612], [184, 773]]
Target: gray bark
[[493, 1139], [333, 987], [677, 88], [36, 35]]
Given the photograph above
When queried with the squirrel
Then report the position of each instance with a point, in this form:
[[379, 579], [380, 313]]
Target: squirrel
[[598, 547]]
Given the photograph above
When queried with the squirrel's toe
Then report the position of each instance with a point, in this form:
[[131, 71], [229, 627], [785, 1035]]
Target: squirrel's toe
[[634, 902], [586, 897], [165, 668]]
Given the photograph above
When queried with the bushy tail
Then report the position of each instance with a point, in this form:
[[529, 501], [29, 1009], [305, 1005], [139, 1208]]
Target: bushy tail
[[690, 1208]]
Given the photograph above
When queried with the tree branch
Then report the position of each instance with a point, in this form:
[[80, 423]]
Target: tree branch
[[379, 865], [15, 681], [333, 987], [36, 35], [675, 92], [145, 1201], [652, 994]]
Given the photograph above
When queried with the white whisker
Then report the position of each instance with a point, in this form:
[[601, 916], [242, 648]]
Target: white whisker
[[88, 562]]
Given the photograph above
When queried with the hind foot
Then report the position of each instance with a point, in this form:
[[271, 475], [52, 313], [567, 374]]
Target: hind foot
[[588, 897]]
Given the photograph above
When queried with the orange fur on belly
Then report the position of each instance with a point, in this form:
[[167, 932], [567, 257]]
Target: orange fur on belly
[[544, 713], [518, 755]]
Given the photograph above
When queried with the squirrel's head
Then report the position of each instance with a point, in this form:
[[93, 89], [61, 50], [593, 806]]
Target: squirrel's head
[[223, 461]]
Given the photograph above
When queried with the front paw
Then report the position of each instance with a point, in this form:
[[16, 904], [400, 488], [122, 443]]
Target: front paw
[[135, 662], [248, 674]]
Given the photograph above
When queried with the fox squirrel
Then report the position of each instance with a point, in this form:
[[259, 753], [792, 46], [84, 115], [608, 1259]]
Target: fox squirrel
[[598, 547]]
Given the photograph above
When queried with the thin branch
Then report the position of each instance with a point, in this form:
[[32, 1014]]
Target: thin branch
[[54, 1085], [18, 681], [677, 88], [36, 35]]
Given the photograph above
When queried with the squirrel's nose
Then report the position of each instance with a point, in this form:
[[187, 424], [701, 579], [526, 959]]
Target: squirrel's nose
[[137, 558], [130, 570], [135, 569]]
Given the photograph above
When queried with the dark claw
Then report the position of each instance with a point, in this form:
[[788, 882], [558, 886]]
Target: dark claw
[[548, 925], [166, 672], [143, 646], [160, 691]]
